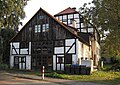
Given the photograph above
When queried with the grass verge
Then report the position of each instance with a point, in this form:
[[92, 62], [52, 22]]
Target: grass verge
[[102, 77]]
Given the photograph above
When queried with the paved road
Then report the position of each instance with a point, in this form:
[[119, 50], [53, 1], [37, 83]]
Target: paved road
[[9, 80]]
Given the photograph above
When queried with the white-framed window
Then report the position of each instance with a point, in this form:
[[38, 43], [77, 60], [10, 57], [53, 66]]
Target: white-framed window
[[60, 18], [64, 16], [90, 30], [83, 30], [77, 25], [76, 16], [37, 28], [45, 27], [70, 16], [77, 20]]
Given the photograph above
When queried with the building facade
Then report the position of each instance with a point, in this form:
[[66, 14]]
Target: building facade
[[54, 41]]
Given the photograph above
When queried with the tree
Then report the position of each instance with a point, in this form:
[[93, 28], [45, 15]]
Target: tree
[[5, 36], [11, 12], [105, 14]]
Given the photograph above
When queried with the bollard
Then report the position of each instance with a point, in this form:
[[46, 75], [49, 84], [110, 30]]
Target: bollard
[[43, 72]]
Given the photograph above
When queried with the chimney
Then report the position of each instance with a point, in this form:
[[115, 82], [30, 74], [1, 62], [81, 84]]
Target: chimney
[[74, 8]]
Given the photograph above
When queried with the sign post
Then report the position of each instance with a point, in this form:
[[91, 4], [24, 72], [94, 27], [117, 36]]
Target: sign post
[[43, 72]]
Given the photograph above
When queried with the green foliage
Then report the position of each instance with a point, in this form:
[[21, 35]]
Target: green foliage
[[104, 77], [54, 75], [105, 14], [5, 35], [3, 66], [11, 12]]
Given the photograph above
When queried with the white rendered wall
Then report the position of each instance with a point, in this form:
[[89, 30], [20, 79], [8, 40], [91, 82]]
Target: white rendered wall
[[28, 62], [11, 61], [16, 44], [68, 43], [72, 50], [59, 50], [29, 48], [86, 52], [74, 59], [23, 51], [54, 62], [97, 51], [78, 51]]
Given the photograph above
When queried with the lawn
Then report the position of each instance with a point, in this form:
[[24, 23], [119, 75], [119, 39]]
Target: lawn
[[103, 76]]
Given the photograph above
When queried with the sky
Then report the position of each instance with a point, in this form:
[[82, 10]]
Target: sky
[[51, 6]]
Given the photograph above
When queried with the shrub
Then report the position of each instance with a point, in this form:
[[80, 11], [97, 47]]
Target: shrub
[[3, 66], [54, 75]]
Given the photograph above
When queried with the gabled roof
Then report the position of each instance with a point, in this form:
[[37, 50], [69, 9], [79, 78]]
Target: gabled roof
[[68, 28], [67, 11]]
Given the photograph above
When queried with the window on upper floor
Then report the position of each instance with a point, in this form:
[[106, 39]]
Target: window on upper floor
[[45, 27], [41, 17], [83, 30], [76, 16], [37, 28], [90, 30], [64, 16], [60, 18], [70, 16]]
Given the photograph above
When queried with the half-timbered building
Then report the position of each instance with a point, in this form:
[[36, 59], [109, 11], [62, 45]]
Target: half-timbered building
[[55, 41]]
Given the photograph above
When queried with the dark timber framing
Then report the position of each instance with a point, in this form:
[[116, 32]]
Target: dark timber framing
[[46, 33]]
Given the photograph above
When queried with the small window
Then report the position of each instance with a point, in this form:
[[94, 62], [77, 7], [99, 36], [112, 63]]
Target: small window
[[76, 15], [77, 25], [70, 16], [77, 21], [45, 27], [64, 16], [90, 30], [60, 17], [41, 17], [83, 30], [37, 28], [60, 60]]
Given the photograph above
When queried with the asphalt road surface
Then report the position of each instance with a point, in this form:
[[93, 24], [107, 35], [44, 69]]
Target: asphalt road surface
[[9, 80]]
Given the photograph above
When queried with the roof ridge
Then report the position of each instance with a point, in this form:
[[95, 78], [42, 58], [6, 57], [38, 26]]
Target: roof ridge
[[65, 11]]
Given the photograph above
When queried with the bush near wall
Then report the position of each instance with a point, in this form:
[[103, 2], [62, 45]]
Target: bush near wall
[[3, 66]]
